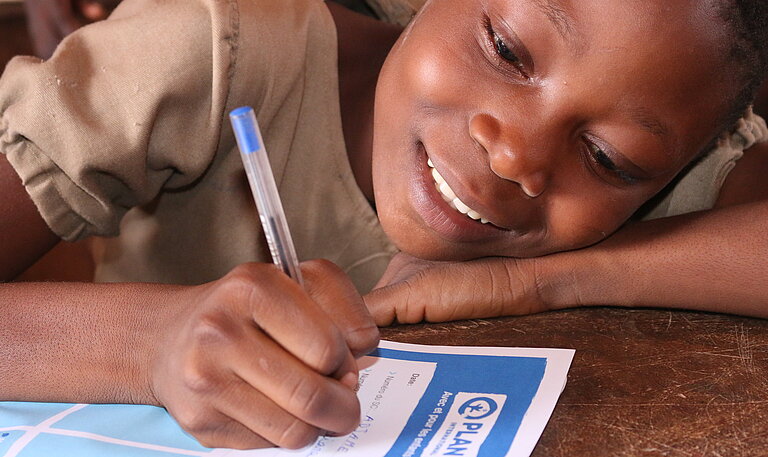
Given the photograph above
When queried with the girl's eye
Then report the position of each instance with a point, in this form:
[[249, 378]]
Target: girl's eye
[[601, 159], [501, 49]]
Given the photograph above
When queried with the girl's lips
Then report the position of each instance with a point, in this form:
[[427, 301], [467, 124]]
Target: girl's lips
[[437, 214]]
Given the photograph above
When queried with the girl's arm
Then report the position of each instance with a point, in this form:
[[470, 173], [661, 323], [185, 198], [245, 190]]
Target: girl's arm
[[713, 260], [244, 361], [24, 236], [224, 358]]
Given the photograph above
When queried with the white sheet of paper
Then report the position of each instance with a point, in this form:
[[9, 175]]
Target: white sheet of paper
[[391, 388]]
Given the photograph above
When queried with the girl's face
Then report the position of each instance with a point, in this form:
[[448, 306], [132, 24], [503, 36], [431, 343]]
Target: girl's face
[[553, 120]]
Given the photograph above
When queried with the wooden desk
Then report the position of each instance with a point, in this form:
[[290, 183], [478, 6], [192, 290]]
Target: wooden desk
[[643, 382]]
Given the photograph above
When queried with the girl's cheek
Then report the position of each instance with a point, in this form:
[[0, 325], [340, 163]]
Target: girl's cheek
[[579, 219], [432, 68]]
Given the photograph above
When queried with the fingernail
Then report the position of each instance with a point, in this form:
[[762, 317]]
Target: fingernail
[[350, 380]]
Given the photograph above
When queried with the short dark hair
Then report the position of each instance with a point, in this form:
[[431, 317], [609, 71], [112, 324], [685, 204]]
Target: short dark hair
[[747, 27]]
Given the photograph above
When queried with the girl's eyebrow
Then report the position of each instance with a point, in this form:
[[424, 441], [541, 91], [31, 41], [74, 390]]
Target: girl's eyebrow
[[650, 123], [562, 22], [655, 126]]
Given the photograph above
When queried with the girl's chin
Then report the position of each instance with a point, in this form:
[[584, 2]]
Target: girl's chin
[[420, 242]]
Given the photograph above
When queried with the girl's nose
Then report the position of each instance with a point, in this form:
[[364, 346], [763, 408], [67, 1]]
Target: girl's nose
[[510, 156]]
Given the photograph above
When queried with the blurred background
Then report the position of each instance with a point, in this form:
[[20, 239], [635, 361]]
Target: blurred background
[[14, 38]]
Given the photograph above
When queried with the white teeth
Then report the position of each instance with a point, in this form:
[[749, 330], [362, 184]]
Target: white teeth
[[436, 176], [446, 190], [450, 196], [461, 206]]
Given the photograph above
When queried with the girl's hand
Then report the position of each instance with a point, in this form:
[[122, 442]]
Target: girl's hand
[[253, 360], [414, 290]]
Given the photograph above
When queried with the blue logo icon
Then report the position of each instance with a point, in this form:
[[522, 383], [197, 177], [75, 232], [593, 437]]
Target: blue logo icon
[[4, 435], [478, 408]]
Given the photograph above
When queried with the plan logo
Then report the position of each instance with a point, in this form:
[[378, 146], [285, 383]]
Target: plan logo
[[467, 425], [478, 408]]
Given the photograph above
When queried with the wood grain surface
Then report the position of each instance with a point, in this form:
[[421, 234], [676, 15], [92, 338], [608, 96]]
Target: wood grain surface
[[643, 382]]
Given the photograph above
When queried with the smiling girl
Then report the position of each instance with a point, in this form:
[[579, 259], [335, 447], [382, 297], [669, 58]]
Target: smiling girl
[[552, 126], [548, 122], [494, 128]]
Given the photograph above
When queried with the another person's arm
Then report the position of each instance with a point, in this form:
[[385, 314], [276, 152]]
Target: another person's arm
[[713, 260], [49, 21]]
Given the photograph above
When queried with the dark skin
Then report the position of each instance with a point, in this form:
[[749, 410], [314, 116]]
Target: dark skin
[[357, 85], [761, 102], [508, 152], [532, 131], [24, 247], [179, 325]]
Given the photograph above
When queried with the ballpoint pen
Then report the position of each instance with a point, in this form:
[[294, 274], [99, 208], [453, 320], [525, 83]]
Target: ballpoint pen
[[264, 190]]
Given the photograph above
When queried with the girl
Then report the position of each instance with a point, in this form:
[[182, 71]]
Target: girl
[[501, 129], [710, 260]]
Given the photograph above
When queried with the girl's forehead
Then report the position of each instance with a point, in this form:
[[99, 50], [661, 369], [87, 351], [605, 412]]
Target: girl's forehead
[[567, 16]]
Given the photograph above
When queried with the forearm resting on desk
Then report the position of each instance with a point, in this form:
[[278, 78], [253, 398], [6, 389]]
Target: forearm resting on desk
[[711, 261]]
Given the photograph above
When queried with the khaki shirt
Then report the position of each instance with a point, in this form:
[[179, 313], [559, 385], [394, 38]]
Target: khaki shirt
[[125, 131]]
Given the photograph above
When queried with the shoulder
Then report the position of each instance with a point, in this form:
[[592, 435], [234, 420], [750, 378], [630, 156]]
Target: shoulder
[[727, 175], [746, 182]]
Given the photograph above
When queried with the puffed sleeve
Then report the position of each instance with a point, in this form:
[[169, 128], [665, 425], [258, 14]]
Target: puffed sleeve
[[125, 109]]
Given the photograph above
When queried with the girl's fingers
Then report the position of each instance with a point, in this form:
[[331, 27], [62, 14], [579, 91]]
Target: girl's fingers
[[290, 386], [255, 416], [219, 430], [334, 292], [468, 290], [261, 351], [283, 310]]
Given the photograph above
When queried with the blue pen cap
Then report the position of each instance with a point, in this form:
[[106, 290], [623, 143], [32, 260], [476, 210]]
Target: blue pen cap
[[244, 124]]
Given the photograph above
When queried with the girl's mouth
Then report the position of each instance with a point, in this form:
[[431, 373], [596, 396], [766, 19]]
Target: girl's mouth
[[450, 196], [443, 211]]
